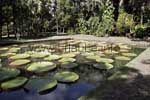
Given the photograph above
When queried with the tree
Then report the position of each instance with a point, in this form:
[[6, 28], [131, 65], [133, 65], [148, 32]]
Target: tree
[[107, 22]]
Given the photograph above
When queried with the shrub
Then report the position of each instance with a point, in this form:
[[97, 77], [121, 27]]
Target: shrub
[[125, 22], [140, 31]]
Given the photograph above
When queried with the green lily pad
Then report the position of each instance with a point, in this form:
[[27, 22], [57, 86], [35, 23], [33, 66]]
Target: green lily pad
[[6, 73], [105, 60], [39, 55], [109, 52], [14, 83], [122, 58], [118, 75], [7, 54], [4, 49], [69, 65], [68, 55], [40, 67], [14, 50], [52, 57], [19, 56], [109, 66], [20, 62], [124, 50], [67, 60], [41, 84], [87, 54], [125, 47], [66, 76], [103, 66], [129, 54], [93, 57]]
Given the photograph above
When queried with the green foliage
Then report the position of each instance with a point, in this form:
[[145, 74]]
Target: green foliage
[[140, 31], [98, 25], [88, 27], [96, 17], [107, 21], [125, 22]]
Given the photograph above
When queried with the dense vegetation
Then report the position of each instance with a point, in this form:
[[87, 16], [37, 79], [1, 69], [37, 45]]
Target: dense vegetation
[[97, 17]]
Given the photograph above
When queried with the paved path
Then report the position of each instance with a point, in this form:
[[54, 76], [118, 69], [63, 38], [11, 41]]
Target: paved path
[[83, 37], [136, 63], [112, 40], [8, 42]]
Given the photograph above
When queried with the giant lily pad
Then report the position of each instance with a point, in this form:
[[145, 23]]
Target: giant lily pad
[[39, 55], [93, 57], [103, 66], [4, 49], [67, 60], [87, 54], [125, 47], [105, 60], [68, 55], [52, 57], [6, 73], [66, 76], [14, 83], [129, 54], [110, 52], [122, 58], [7, 54], [124, 50], [40, 67], [69, 65], [14, 50], [19, 56], [41, 84], [20, 62], [109, 66], [118, 75]]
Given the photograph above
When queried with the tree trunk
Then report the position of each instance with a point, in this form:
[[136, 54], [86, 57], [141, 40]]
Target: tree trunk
[[1, 19], [8, 29], [14, 17], [141, 20], [121, 3]]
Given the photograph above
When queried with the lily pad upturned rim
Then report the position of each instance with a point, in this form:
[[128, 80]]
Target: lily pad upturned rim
[[19, 56], [52, 57], [7, 73], [41, 84], [105, 60], [69, 65], [14, 49], [109, 52], [129, 54], [7, 54], [19, 62], [66, 77], [68, 55], [40, 67], [125, 47], [14, 83], [124, 50], [85, 54], [103, 66], [122, 58], [39, 55], [62, 60], [94, 57], [118, 75], [4, 49]]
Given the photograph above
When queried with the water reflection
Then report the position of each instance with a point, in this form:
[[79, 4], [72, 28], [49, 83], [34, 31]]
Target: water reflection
[[62, 92]]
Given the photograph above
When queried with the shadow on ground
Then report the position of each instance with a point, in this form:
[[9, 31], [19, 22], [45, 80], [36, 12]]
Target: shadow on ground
[[127, 84]]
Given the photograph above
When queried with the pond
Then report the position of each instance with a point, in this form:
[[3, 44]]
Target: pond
[[60, 70]]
